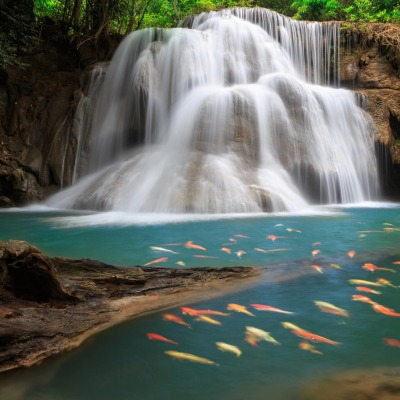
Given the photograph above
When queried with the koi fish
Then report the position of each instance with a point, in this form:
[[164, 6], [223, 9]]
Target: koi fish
[[313, 337], [316, 243], [161, 249], [189, 357], [181, 263], [372, 268], [362, 282], [330, 308], [162, 259], [317, 268], [189, 311], [335, 266], [396, 262], [309, 347], [156, 336], [293, 230], [385, 310], [392, 342], [212, 312], [259, 335], [273, 237], [351, 253], [209, 320], [226, 250], [315, 252], [262, 307], [367, 290], [385, 282], [364, 299], [242, 236], [269, 251], [191, 245], [239, 308], [239, 253], [279, 225], [289, 325], [229, 348], [176, 319], [251, 339], [202, 256]]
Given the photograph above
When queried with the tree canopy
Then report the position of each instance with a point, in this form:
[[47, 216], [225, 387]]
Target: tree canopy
[[21, 21]]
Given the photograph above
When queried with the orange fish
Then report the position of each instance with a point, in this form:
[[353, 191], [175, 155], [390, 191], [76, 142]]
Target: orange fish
[[191, 245], [313, 337], [242, 236], [190, 311], [385, 310], [317, 268], [372, 268], [176, 319], [315, 252], [156, 336], [162, 259], [385, 282], [364, 299], [263, 307], [396, 262], [367, 290], [392, 342], [272, 237], [351, 253], [239, 253], [309, 347], [201, 256], [226, 250], [239, 308], [251, 339]]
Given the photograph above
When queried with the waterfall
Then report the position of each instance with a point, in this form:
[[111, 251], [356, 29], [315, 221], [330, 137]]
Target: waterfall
[[233, 111]]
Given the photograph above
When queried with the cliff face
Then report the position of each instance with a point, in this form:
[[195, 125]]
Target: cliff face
[[370, 65], [37, 137]]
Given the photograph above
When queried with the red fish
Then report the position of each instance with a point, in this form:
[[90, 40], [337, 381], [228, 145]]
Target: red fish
[[226, 250], [367, 290], [176, 319], [156, 336], [190, 311], [364, 299], [317, 268], [351, 253], [263, 307], [162, 259], [191, 245], [392, 342], [201, 256], [313, 337], [315, 252], [372, 268], [385, 310]]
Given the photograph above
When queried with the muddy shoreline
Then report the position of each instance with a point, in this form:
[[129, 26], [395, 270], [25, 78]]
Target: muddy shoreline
[[51, 305]]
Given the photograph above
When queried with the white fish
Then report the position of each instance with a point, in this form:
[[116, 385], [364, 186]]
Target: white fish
[[259, 334], [161, 249], [229, 347]]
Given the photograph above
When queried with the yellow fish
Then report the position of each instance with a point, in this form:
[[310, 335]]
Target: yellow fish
[[362, 282], [229, 348], [239, 308], [330, 308], [309, 347], [204, 318], [189, 357], [335, 266]]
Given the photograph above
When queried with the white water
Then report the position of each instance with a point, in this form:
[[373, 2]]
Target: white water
[[229, 120]]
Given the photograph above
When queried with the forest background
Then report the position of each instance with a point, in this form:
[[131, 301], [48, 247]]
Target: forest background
[[22, 21]]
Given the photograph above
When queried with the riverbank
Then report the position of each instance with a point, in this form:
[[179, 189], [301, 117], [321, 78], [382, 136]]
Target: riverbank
[[51, 305]]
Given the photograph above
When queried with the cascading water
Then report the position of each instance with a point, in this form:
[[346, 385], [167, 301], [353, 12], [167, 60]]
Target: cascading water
[[226, 114]]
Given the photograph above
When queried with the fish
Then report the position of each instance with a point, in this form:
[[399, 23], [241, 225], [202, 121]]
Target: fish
[[190, 311], [161, 249], [191, 245], [396, 262], [189, 357], [315, 252], [176, 319], [289, 325], [385, 282], [313, 337], [385, 310], [212, 312], [239, 308], [367, 290], [293, 230], [330, 308], [181, 263], [226, 250], [309, 347], [209, 320], [268, 251], [335, 266], [261, 335], [263, 307], [363, 282], [392, 342], [251, 339], [239, 253], [156, 336], [242, 236], [364, 299], [279, 225], [203, 256], [273, 237], [351, 253], [158, 260], [316, 243], [317, 268], [229, 348], [372, 268]]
